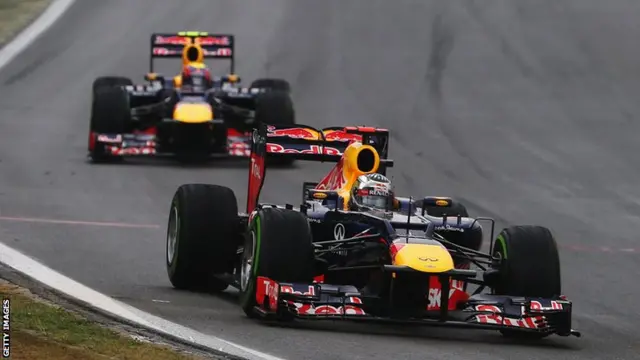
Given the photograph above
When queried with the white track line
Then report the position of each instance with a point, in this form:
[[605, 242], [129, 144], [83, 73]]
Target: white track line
[[31, 33], [78, 222], [59, 282], [70, 287]]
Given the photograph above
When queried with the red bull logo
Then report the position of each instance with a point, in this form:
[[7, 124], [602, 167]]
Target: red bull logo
[[213, 40], [172, 40], [337, 135], [295, 133], [313, 149]]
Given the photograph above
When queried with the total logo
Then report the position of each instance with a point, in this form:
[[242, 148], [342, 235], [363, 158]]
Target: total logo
[[255, 169], [271, 290], [313, 149]]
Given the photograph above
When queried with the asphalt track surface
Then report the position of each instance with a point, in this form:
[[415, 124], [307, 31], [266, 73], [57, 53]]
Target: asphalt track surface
[[526, 110]]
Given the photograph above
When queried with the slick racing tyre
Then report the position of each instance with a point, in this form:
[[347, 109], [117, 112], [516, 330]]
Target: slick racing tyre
[[110, 81], [202, 237], [110, 114], [529, 266], [455, 209], [272, 84], [279, 247], [275, 107]]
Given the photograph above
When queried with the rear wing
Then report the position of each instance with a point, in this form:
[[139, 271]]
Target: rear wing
[[214, 46], [302, 142]]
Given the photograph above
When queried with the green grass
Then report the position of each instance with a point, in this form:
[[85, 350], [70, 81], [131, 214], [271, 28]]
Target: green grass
[[15, 15], [41, 330]]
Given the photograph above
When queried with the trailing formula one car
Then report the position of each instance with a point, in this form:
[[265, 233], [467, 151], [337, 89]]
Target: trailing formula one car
[[191, 114], [355, 251]]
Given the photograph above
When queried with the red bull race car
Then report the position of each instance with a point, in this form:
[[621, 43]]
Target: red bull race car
[[353, 250], [191, 115]]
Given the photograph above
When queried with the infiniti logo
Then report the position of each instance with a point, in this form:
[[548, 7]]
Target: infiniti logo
[[427, 259], [339, 231]]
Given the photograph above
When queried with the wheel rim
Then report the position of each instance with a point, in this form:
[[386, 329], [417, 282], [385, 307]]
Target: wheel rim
[[172, 234], [246, 268]]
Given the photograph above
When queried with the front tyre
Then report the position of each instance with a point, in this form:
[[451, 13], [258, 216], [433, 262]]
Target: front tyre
[[110, 114], [529, 266], [110, 82], [202, 237], [272, 84], [279, 247]]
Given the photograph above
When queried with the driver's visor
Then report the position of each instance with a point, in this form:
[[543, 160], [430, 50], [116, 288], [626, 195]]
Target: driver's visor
[[378, 202], [373, 199]]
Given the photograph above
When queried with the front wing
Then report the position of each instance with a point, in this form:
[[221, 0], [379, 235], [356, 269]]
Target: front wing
[[145, 144], [323, 301]]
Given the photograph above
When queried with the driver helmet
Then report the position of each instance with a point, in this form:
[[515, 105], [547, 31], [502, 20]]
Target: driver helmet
[[196, 78], [373, 193]]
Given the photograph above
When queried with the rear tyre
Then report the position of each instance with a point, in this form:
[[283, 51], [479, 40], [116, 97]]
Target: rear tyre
[[110, 114], [202, 237], [275, 107], [279, 247], [530, 266], [272, 84], [110, 81]]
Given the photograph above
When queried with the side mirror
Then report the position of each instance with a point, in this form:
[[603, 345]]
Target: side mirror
[[306, 186], [232, 78], [151, 76], [438, 201], [326, 197], [154, 77], [321, 195]]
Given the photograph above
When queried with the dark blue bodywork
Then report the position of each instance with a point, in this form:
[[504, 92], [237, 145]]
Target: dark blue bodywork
[[328, 224]]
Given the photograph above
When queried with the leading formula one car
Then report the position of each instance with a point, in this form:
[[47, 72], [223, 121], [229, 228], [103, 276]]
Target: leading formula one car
[[355, 251], [193, 113]]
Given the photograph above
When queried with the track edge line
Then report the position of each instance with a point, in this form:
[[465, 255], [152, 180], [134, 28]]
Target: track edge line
[[93, 301], [29, 267], [29, 34]]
